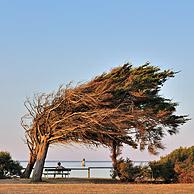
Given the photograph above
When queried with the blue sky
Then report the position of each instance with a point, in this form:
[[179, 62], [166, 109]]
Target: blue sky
[[47, 43]]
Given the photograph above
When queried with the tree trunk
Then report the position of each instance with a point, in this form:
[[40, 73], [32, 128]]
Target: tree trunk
[[29, 167], [115, 152], [41, 156], [114, 155]]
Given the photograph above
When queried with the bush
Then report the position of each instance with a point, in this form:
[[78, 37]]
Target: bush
[[164, 171], [127, 172], [185, 170], [8, 166], [178, 166]]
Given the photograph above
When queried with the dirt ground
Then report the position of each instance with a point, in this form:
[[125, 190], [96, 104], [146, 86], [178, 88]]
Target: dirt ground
[[89, 186]]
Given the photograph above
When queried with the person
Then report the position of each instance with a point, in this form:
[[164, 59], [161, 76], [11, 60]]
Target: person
[[58, 167], [83, 162]]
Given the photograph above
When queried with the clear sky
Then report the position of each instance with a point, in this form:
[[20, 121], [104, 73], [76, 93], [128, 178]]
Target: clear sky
[[47, 43]]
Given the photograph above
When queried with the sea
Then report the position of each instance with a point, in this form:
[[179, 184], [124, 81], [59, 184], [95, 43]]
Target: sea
[[98, 169]]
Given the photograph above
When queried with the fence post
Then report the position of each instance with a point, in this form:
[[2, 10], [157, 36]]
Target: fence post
[[88, 172]]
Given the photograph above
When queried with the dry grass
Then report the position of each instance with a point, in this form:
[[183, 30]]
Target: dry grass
[[75, 186], [96, 188]]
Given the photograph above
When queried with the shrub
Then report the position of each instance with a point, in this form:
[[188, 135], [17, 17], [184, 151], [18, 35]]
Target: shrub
[[127, 172], [178, 166], [8, 166], [164, 170], [185, 170]]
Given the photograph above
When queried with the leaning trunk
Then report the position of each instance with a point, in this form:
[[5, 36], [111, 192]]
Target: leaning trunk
[[29, 167], [41, 156]]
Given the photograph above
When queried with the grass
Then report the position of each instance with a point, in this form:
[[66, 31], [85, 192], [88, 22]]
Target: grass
[[97, 188], [75, 186]]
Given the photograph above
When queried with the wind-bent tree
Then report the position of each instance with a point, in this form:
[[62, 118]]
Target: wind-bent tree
[[52, 124], [116, 108]]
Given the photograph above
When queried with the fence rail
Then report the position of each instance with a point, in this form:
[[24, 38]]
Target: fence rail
[[88, 169]]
